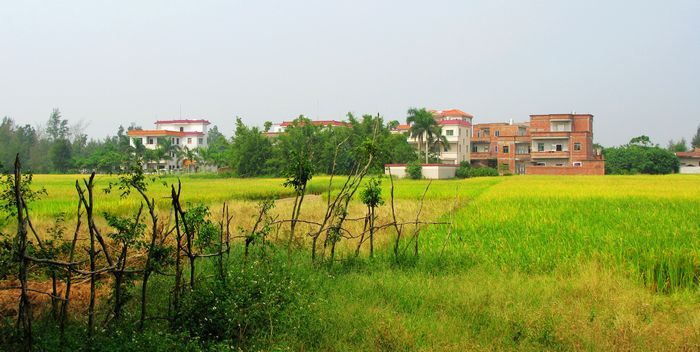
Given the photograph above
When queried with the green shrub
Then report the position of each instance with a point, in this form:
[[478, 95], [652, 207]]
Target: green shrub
[[414, 170], [483, 172], [463, 170], [247, 306]]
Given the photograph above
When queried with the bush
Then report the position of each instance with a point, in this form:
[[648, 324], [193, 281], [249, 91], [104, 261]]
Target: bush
[[414, 170], [483, 172], [463, 170], [251, 301]]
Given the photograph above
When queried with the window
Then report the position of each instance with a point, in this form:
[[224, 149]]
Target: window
[[497, 133], [475, 149], [540, 147], [200, 141], [578, 163], [539, 163], [558, 147], [486, 132], [177, 140], [449, 132], [506, 149], [577, 146], [182, 129], [496, 149], [478, 134], [150, 141], [189, 140], [559, 164]]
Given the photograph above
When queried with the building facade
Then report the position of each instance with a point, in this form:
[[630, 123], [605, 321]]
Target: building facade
[[456, 127], [690, 161], [553, 144], [182, 134]]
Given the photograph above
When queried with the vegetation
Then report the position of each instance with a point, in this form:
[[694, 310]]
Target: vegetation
[[640, 155], [414, 170], [532, 263]]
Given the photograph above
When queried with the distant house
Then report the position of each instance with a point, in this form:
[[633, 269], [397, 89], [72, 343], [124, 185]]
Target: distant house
[[190, 134], [690, 161], [456, 126], [279, 128], [550, 144]]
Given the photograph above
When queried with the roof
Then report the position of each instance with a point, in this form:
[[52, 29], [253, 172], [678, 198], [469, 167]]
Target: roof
[[451, 113], [695, 153], [160, 133], [455, 122], [318, 123], [183, 121]]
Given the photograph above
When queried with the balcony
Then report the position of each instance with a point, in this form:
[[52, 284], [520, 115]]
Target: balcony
[[550, 154], [482, 155]]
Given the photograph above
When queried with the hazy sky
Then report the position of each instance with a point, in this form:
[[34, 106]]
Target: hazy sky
[[635, 65]]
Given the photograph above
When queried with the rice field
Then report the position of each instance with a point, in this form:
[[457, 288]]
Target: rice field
[[531, 263]]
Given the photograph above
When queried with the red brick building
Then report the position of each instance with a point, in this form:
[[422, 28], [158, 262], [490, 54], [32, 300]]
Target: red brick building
[[554, 144]]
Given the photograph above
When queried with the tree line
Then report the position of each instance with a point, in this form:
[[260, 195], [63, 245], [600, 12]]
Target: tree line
[[62, 147]]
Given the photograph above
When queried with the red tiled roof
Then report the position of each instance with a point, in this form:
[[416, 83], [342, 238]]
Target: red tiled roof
[[451, 113], [157, 133], [184, 121], [695, 153], [403, 127]]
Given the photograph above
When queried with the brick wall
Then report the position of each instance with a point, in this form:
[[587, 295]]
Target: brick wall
[[589, 167]]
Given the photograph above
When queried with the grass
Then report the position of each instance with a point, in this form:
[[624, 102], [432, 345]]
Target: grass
[[532, 263]]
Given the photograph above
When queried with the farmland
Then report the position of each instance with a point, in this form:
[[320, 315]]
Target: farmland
[[531, 263]]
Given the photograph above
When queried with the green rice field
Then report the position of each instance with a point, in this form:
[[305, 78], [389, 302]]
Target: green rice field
[[531, 263]]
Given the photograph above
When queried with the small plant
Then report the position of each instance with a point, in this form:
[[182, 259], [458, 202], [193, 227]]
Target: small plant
[[463, 170], [371, 196], [414, 170]]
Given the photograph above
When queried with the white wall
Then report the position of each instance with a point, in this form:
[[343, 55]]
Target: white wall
[[428, 171]]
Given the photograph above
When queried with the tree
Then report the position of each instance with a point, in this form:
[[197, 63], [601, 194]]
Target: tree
[[249, 151], [267, 126], [57, 128], [61, 155], [640, 156], [422, 127], [191, 157], [695, 142], [438, 141], [677, 146]]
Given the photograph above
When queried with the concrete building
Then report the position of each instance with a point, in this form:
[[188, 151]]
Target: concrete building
[[690, 161], [190, 134], [553, 144], [456, 127], [278, 128]]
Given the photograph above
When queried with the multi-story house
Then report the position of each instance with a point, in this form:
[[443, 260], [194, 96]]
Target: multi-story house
[[278, 128], [501, 145], [557, 144], [182, 134], [456, 127]]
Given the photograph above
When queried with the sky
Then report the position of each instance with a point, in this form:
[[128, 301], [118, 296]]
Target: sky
[[634, 65]]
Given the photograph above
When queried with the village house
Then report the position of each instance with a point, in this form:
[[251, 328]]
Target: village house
[[690, 161], [279, 128], [456, 126], [183, 134], [551, 144]]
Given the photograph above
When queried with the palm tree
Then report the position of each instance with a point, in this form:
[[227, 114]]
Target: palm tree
[[167, 150], [190, 156], [423, 126], [438, 141]]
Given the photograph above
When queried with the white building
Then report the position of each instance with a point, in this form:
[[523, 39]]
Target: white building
[[183, 134], [456, 126], [690, 161]]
